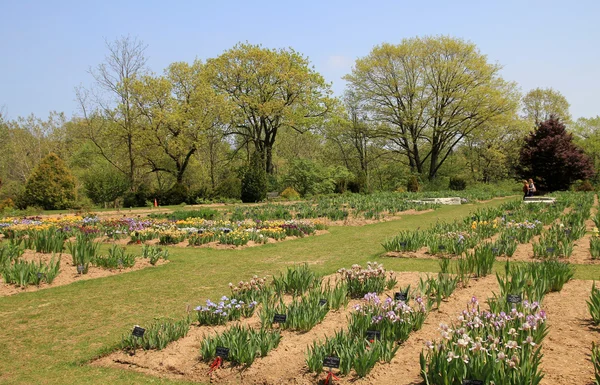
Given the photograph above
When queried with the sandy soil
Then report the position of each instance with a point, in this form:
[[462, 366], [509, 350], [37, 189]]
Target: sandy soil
[[568, 344], [566, 348], [286, 363], [68, 272]]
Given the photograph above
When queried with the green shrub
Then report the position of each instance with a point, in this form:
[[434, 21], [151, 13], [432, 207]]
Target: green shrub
[[290, 194], [230, 187], [457, 183], [204, 213], [254, 183], [584, 186], [50, 185], [413, 184], [178, 193]]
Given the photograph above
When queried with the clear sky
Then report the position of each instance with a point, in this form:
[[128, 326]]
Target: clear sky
[[46, 47]]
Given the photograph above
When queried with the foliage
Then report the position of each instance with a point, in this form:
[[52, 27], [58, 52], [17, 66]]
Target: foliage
[[154, 253], [290, 194], [296, 280], [23, 273], [371, 279], [104, 185], [413, 184], [403, 85], [550, 157], [157, 336], [254, 183], [50, 185], [476, 349], [117, 258], [594, 304], [83, 251], [244, 344], [267, 91], [457, 183], [540, 104]]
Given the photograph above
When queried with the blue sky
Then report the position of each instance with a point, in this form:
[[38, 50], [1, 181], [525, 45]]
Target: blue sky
[[46, 47]]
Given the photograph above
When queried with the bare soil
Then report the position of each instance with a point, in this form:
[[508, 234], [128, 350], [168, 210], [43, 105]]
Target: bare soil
[[286, 363], [68, 272]]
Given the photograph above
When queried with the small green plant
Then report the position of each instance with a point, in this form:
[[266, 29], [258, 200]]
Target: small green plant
[[117, 258], [244, 344], [83, 251], [157, 336], [594, 304], [595, 247], [154, 254], [370, 280], [596, 362], [296, 280], [48, 240], [23, 273]]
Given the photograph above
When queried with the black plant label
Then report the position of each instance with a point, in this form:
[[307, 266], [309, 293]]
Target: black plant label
[[322, 302], [279, 318], [138, 331], [401, 296], [513, 298], [331, 362], [472, 382], [373, 335], [222, 352]]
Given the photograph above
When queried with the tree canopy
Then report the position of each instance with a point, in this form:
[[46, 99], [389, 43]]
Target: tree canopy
[[430, 93], [551, 159]]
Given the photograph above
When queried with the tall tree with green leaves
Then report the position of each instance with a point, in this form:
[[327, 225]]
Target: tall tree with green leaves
[[268, 90], [176, 111], [587, 135], [431, 92], [541, 103]]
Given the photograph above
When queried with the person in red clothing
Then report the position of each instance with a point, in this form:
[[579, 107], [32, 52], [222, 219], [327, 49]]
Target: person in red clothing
[[525, 189]]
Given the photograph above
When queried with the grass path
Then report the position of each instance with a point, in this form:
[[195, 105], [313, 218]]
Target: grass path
[[46, 336]]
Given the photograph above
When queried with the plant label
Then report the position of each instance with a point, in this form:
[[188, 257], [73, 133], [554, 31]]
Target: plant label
[[401, 296], [550, 249], [513, 298], [39, 275], [373, 335], [322, 302], [138, 331], [80, 269], [331, 362], [402, 244], [495, 250], [279, 318], [441, 247], [222, 352], [472, 382]]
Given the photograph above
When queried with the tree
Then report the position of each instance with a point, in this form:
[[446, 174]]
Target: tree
[[176, 111], [103, 185], [110, 116], [353, 134], [492, 153], [50, 186], [587, 135], [540, 103], [431, 92], [254, 182], [268, 90], [550, 157]]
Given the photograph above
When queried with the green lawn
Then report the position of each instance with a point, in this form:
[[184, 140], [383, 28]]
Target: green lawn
[[47, 336]]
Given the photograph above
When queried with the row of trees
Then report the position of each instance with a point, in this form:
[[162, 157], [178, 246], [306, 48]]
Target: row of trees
[[431, 107]]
